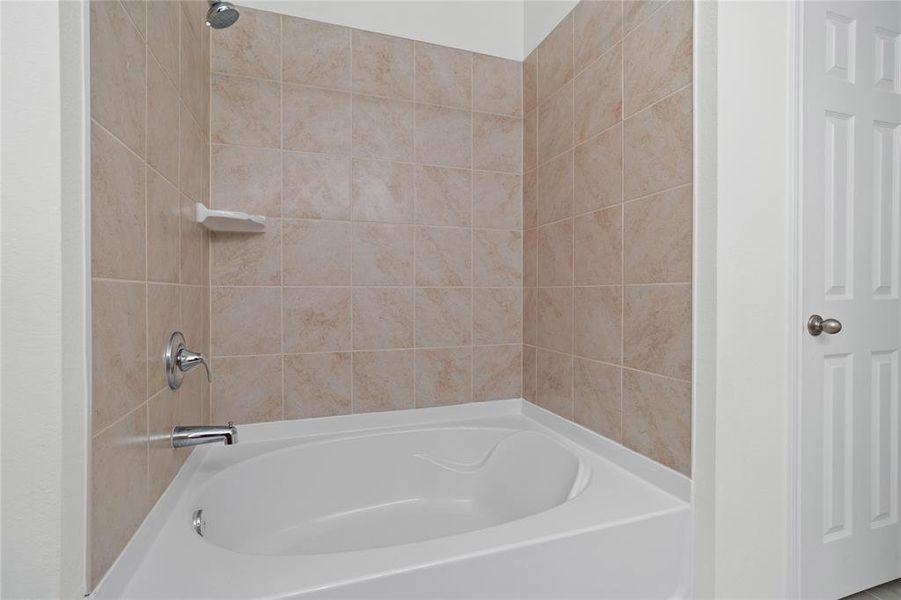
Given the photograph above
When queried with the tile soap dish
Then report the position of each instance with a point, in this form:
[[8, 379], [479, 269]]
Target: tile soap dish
[[229, 220]]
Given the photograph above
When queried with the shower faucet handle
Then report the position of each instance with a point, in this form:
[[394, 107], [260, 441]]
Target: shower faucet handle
[[179, 360]]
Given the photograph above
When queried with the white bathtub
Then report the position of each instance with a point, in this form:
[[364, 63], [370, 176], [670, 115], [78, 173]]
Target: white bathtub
[[489, 500]]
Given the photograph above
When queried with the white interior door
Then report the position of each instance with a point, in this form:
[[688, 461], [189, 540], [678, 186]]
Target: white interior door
[[851, 201]]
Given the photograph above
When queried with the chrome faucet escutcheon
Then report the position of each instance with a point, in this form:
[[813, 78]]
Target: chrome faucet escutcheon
[[179, 360]]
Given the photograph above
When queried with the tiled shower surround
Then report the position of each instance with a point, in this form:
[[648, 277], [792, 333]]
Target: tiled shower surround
[[149, 164], [608, 224], [390, 273], [407, 260]]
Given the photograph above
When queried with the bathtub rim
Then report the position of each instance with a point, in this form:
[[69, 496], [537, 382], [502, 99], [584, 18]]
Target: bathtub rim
[[116, 580]]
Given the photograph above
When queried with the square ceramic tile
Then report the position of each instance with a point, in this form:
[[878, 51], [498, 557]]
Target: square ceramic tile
[[496, 143], [598, 398], [555, 58], [598, 171], [316, 120], [657, 329], [443, 75], [317, 385], [315, 53], [657, 146], [597, 323], [555, 382], [162, 111], [636, 11], [443, 196], [245, 320], [383, 380], [530, 374], [597, 26], [497, 200], [382, 318], [443, 256], [118, 210], [317, 253], [530, 258], [497, 85], [246, 179], [530, 140], [555, 124], [555, 189], [443, 317], [657, 56], [497, 258], [247, 390], [382, 65], [496, 316], [657, 418], [497, 372], [598, 247], [658, 233], [530, 82], [555, 318], [241, 259], [251, 47], [316, 186], [555, 253], [316, 319], [382, 254], [443, 136], [530, 316], [599, 95], [382, 128], [443, 376], [119, 326], [382, 191], [119, 492], [530, 199], [162, 229], [245, 111], [118, 71]]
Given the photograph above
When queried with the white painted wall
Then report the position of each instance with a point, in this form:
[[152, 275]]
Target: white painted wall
[[539, 19], [743, 442], [506, 28], [43, 300], [492, 27]]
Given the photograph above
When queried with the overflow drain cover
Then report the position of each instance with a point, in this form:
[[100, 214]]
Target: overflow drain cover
[[198, 523]]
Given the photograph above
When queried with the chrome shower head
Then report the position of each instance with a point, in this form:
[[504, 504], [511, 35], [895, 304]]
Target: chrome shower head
[[221, 15]]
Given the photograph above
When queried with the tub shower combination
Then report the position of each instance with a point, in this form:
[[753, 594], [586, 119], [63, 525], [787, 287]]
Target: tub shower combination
[[491, 500]]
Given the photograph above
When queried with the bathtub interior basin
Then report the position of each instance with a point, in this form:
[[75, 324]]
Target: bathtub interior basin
[[375, 491]]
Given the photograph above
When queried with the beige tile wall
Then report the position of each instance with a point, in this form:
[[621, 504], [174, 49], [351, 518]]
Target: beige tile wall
[[149, 164], [390, 273], [607, 214]]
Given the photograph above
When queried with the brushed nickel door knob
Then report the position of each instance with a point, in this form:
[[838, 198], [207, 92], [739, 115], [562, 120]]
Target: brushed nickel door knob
[[817, 325]]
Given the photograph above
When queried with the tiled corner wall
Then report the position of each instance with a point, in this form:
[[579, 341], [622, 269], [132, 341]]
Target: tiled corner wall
[[390, 272], [607, 217], [149, 164]]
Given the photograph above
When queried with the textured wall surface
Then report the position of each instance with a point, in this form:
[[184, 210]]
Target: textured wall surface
[[149, 165], [390, 273], [607, 213]]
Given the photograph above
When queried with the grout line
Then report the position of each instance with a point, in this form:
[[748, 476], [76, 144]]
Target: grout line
[[415, 234], [572, 208], [281, 241], [622, 230], [353, 385]]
